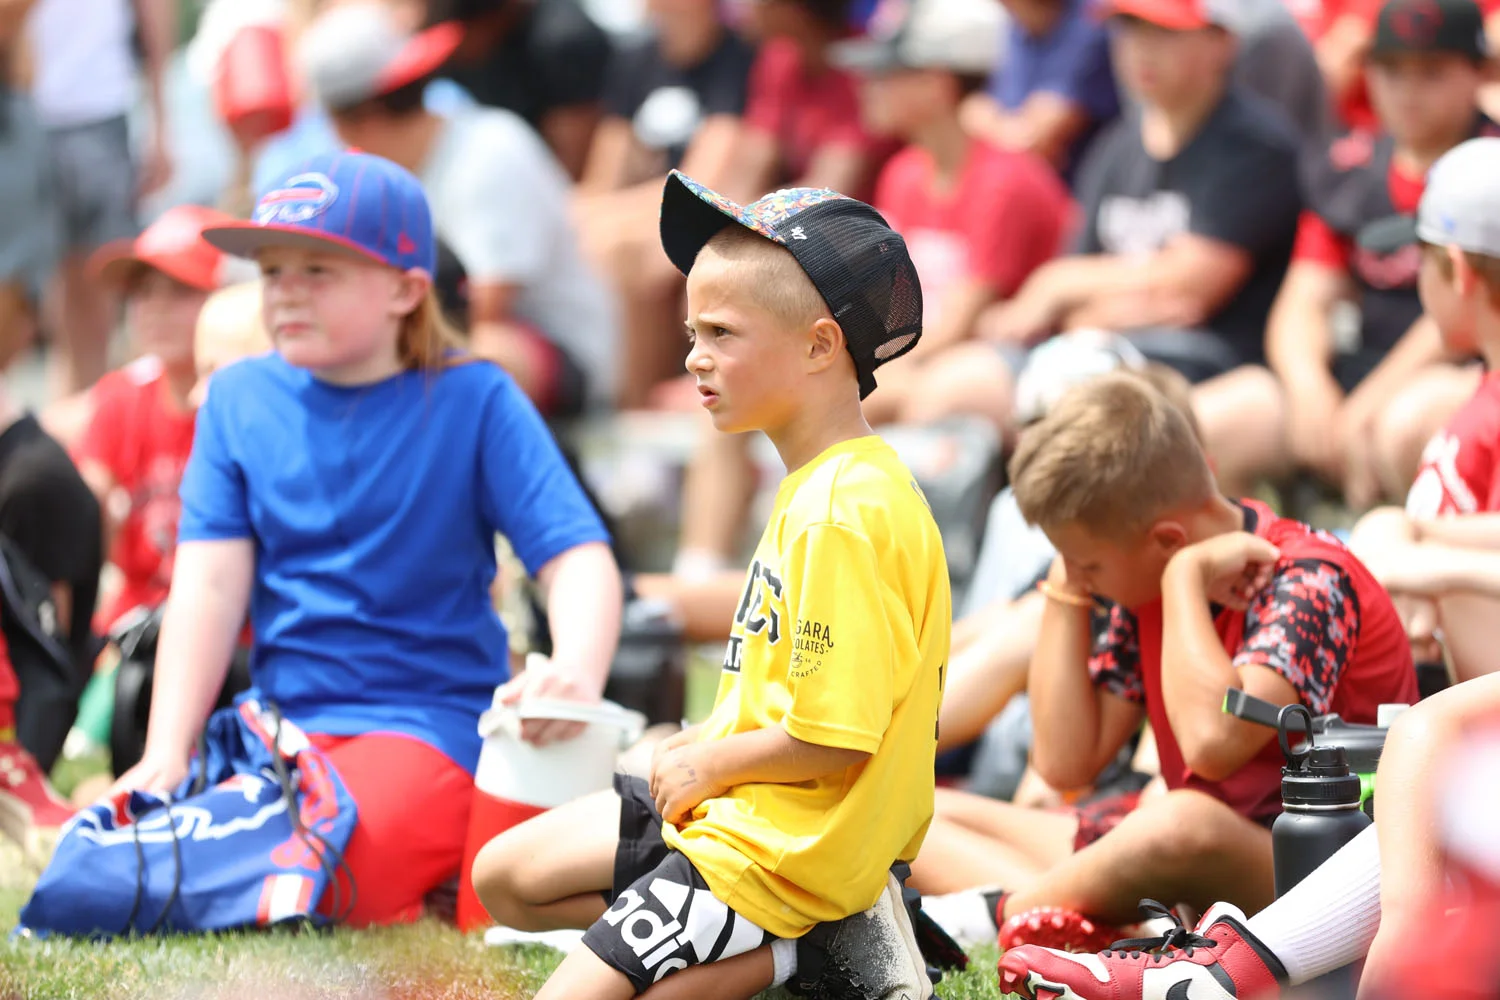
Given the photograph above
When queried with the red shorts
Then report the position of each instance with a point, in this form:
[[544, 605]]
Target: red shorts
[[1100, 816], [413, 807]]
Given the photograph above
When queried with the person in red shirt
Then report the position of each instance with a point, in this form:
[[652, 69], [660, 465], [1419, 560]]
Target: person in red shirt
[[1360, 408], [1199, 594], [1455, 499], [978, 219], [137, 443]]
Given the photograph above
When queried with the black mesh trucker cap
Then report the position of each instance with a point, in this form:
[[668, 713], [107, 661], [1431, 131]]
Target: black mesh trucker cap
[[856, 261]]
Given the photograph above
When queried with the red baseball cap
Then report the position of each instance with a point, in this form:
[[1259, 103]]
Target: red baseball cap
[[1174, 15], [173, 245]]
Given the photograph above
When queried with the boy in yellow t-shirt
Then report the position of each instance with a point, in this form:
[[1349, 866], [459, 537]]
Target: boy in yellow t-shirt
[[760, 851]]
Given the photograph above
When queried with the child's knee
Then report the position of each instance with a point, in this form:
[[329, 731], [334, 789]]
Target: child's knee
[[1381, 527], [498, 877], [1182, 830]]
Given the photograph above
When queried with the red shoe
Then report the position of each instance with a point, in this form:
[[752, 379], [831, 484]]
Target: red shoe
[[1221, 960], [31, 812], [1056, 927]]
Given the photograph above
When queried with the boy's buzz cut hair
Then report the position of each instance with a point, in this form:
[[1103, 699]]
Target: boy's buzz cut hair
[[1112, 456], [781, 286]]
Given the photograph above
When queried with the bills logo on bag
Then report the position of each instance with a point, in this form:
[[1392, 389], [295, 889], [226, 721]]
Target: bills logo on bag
[[303, 197]]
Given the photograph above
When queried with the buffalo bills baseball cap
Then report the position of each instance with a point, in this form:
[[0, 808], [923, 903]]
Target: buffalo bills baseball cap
[[356, 51], [1460, 205], [350, 201], [856, 261], [1452, 26], [173, 245]]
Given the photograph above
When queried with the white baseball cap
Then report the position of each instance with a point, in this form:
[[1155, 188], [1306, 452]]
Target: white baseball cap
[[356, 51], [1460, 205], [962, 36]]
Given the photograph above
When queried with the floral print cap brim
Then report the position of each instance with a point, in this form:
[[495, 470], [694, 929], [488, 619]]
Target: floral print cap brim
[[766, 215]]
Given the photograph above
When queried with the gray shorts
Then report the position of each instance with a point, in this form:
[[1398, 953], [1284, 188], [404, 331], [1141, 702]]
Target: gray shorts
[[95, 183], [28, 203]]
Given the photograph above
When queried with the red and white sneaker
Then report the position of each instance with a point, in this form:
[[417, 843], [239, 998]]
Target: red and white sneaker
[[1056, 927], [1218, 961], [31, 811]]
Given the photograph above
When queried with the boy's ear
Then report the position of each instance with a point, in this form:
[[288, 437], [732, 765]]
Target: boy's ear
[[825, 343], [1169, 536], [1464, 278]]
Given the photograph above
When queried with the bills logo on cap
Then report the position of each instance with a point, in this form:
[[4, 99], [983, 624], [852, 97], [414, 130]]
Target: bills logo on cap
[[302, 197]]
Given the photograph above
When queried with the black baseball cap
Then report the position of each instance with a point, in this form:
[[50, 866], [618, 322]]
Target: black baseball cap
[[856, 261], [1455, 26]]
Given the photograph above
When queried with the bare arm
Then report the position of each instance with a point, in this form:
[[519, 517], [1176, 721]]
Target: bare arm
[[1196, 670], [957, 318], [585, 616], [569, 131], [1078, 727], [1181, 285], [205, 612], [1045, 124], [694, 772], [1466, 530], [710, 155], [1299, 335], [604, 168], [158, 26]]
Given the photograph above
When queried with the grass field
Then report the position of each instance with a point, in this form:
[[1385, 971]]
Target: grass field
[[425, 961]]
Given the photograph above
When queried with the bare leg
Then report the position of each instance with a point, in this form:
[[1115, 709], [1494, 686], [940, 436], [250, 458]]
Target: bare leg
[[1243, 420], [975, 842], [1471, 631], [81, 324], [651, 301], [966, 379], [585, 975], [1411, 862], [1181, 847], [704, 607], [1410, 419], [989, 671], [716, 494], [551, 872]]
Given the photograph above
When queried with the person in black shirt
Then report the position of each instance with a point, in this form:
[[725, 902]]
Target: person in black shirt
[[673, 98], [1189, 205], [542, 59], [1362, 402]]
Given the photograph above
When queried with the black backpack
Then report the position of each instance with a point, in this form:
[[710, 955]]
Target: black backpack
[[136, 637], [51, 682]]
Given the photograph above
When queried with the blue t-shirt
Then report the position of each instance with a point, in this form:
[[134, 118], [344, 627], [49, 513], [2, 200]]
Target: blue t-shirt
[[1071, 61], [373, 511]]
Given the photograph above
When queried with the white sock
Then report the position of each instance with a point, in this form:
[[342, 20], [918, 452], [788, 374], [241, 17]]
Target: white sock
[[783, 960], [967, 916], [1329, 918], [699, 564]]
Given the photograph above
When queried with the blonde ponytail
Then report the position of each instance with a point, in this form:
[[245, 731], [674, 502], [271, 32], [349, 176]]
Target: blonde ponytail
[[428, 342]]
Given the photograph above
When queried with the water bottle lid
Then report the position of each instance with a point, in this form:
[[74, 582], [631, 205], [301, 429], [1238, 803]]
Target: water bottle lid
[[1321, 780]]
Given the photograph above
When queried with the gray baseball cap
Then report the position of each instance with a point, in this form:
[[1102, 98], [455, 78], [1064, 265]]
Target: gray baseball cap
[[1460, 205], [962, 36]]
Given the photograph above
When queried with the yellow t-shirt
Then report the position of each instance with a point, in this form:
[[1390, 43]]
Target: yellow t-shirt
[[841, 637]]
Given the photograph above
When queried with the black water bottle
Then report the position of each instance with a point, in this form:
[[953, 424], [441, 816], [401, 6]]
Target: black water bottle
[[1320, 798]]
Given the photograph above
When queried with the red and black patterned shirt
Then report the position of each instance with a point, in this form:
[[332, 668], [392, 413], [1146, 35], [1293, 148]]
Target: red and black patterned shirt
[[1323, 623]]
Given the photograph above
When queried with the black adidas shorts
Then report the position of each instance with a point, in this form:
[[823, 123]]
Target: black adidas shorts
[[662, 916]]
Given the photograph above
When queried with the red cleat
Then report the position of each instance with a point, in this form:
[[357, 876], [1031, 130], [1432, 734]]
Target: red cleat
[[1056, 927], [31, 812], [1221, 960]]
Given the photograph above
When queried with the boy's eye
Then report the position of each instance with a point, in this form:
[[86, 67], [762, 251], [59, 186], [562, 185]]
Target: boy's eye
[[270, 270]]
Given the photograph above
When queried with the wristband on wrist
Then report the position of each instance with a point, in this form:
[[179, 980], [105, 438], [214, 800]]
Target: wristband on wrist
[[1061, 596]]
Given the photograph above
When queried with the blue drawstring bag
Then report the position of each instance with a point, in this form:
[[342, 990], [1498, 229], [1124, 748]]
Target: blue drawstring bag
[[253, 837]]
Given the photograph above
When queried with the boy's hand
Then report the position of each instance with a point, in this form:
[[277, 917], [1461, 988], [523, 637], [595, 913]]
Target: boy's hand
[[1230, 568], [681, 778]]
